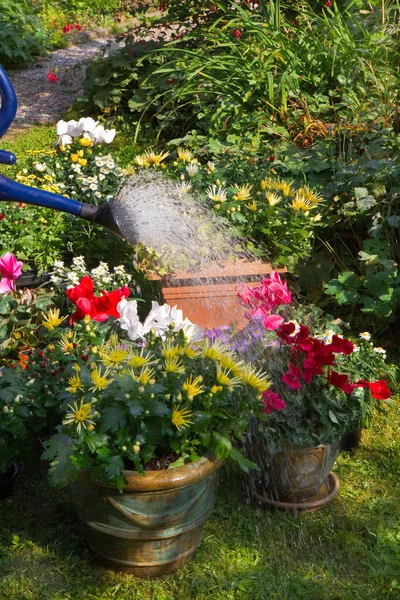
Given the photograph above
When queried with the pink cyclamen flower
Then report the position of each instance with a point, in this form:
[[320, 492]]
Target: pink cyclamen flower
[[238, 34], [10, 269], [328, 4]]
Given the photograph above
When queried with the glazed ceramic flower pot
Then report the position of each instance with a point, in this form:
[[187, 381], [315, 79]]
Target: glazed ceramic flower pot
[[155, 525], [300, 475], [7, 481]]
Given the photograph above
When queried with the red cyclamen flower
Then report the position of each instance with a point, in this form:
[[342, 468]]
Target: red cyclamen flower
[[271, 402], [292, 377], [238, 34], [341, 382], [379, 389], [99, 308]]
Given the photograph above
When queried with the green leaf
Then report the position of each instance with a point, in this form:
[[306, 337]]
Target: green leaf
[[112, 418], [332, 417], [243, 462], [360, 193], [349, 279], [221, 444]]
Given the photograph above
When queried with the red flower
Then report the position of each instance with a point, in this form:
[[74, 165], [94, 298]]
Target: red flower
[[52, 77], [98, 308], [271, 402], [2, 215], [341, 381], [238, 34], [340, 345], [292, 377], [379, 389], [328, 4], [78, 27]]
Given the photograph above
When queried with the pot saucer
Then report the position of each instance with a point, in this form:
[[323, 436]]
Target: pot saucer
[[333, 485]]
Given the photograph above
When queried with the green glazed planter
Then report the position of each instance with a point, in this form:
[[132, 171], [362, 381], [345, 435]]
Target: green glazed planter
[[155, 525]]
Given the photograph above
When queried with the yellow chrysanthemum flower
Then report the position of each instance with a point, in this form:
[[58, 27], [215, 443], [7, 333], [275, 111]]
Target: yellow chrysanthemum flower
[[216, 388], [301, 203], [113, 357], [272, 199], [81, 415], [243, 192], [224, 379], [155, 158], [193, 387], [141, 160], [252, 206], [67, 343], [227, 363], [146, 376], [190, 352], [100, 382], [181, 417], [214, 350], [75, 383], [256, 379], [185, 155], [269, 184], [52, 319], [313, 197], [174, 365], [144, 359], [170, 351], [284, 187]]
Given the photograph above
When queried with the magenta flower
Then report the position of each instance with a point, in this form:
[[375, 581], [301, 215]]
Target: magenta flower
[[10, 269], [271, 402]]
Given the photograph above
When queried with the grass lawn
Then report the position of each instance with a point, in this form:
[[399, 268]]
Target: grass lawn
[[350, 549]]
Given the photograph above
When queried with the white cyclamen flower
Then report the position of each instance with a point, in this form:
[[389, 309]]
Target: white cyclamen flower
[[62, 131], [87, 125], [129, 319]]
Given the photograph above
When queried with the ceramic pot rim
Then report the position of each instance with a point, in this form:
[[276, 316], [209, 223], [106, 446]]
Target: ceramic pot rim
[[161, 480]]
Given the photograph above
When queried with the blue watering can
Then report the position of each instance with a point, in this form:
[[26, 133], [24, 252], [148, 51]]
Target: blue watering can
[[11, 191]]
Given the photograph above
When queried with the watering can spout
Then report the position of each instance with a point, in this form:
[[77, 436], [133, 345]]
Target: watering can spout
[[11, 191]]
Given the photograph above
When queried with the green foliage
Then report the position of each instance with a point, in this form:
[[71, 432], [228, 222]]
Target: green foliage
[[23, 34], [20, 314]]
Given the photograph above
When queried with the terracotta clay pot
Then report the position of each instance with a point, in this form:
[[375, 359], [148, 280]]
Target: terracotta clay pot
[[155, 525], [299, 474], [209, 297]]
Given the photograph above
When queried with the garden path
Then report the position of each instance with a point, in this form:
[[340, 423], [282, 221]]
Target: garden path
[[39, 100]]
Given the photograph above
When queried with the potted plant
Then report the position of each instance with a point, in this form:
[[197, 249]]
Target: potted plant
[[149, 416], [323, 385]]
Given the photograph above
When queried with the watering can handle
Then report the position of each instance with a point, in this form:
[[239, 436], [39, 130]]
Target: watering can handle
[[7, 113]]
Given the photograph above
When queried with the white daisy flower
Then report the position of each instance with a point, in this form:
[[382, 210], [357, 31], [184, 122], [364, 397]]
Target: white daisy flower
[[380, 350], [365, 336]]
